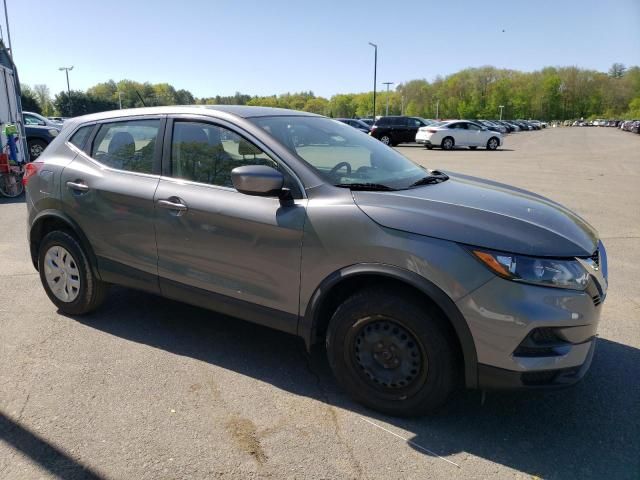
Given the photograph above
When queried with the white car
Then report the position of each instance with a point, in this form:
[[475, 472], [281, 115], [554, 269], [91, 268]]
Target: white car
[[458, 133]]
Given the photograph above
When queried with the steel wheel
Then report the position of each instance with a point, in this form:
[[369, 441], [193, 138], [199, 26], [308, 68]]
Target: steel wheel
[[388, 355], [62, 274]]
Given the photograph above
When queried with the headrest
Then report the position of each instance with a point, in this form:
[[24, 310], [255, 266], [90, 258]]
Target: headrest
[[189, 133], [122, 143], [246, 148]]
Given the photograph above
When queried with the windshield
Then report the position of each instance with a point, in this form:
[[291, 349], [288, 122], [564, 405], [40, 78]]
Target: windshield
[[341, 154]]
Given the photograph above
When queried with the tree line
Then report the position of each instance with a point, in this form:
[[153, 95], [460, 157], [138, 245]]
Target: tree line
[[553, 93]]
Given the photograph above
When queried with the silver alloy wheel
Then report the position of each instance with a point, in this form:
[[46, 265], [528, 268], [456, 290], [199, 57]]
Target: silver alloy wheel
[[447, 144], [493, 144], [385, 139], [62, 274]]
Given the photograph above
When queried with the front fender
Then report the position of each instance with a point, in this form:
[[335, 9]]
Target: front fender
[[308, 324]]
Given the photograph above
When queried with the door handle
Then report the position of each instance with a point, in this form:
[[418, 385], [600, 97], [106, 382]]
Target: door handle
[[170, 204], [79, 187]]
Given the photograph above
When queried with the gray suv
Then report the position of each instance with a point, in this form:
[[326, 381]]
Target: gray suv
[[416, 281]]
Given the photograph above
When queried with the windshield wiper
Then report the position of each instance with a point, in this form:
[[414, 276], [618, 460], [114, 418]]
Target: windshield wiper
[[366, 186], [434, 177]]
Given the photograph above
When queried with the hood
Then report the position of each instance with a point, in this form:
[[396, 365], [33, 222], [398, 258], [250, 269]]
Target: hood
[[485, 214]]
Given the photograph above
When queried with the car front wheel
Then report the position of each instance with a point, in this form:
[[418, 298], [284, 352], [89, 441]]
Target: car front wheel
[[67, 276], [391, 352], [493, 143]]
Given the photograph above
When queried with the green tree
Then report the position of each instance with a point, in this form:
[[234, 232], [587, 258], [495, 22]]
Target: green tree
[[29, 100], [617, 70]]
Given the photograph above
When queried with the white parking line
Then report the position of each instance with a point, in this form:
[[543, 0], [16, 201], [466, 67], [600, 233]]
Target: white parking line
[[410, 442]]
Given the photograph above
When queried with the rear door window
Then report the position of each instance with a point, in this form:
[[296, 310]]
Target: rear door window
[[128, 145]]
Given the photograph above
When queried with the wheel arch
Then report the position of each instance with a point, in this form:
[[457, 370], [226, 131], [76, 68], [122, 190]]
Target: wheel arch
[[51, 220], [342, 283]]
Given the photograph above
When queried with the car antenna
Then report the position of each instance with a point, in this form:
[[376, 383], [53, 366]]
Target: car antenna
[[140, 97]]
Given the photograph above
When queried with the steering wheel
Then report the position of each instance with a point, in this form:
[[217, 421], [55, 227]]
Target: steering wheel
[[335, 169]]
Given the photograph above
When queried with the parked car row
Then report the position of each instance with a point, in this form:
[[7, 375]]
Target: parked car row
[[632, 126], [594, 123]]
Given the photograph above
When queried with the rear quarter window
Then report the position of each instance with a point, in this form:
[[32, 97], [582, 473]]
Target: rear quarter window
[[79, 138]]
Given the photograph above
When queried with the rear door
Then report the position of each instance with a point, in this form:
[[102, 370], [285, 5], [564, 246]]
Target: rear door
[[219, 248], [108, 192], [459, 133]]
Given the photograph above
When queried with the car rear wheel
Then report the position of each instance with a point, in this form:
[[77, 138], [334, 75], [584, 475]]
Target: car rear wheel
[[36, 147], [493, 143], [386, 139], [447, 143], [391, 352], [66, 275]]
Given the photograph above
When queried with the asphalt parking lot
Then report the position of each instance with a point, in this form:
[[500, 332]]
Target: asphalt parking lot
[[148, 388]]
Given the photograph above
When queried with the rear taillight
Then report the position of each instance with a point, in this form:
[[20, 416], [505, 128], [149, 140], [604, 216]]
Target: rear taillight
[[431, 130], [30, 170]]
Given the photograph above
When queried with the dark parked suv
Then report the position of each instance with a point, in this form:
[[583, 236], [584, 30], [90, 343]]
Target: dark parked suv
[[394, 130], [416, 281], [40, 132]]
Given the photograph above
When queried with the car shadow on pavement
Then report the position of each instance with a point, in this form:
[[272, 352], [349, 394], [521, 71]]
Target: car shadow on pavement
[[591, 430]]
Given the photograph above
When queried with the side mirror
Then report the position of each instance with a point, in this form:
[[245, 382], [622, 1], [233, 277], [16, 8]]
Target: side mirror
[[257, 180]]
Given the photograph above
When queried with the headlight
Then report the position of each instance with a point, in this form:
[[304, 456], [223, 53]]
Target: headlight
[[547, 272], [53, 132]]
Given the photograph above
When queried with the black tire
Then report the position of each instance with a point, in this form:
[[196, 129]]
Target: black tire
[[448, 143], [91, 291], [429, 147], [493, 143], [36, 147], [423, 369], [472, 148], [387, 140]]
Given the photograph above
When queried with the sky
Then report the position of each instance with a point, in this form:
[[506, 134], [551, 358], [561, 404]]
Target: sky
[[219, 47]]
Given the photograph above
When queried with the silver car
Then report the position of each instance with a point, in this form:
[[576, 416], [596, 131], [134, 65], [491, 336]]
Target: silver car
[[417, 281]]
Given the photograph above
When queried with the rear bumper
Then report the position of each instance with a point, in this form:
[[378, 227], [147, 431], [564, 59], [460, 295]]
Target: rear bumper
[[494, 378]]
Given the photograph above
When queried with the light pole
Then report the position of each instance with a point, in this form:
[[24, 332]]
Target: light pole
[[501, 107], [437, 109], [375, 72], [120, 99], [66, 70], [387, 84], [6, 18]]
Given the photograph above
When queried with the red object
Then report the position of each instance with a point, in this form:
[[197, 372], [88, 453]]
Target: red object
[[30, 170], [4, 163], [430, 130]]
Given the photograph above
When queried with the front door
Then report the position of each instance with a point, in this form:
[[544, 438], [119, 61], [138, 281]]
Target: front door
[[217, 247]]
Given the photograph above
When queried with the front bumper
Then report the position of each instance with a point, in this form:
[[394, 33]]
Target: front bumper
[[494, 378], [529, 336]]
